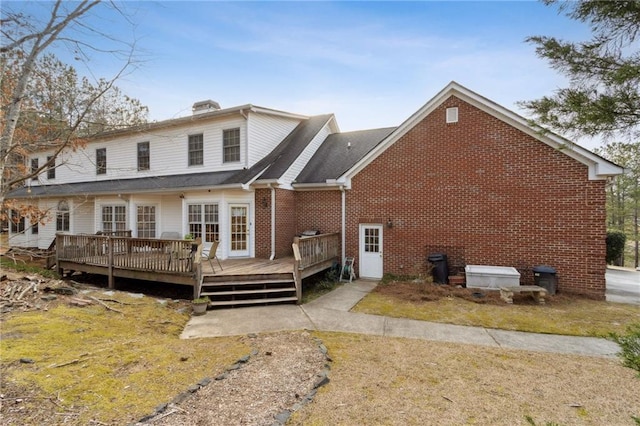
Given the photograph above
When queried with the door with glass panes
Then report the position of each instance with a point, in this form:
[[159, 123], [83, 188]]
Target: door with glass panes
[[238, 230]]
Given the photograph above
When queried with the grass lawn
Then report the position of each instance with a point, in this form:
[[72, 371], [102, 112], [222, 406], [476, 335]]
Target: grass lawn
[[90, 365]]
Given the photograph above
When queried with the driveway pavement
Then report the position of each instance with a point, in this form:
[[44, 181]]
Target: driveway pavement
[[623, 285], [331, 313]]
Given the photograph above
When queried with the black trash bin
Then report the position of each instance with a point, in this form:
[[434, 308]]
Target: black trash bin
[[545, 276], [440, 267]]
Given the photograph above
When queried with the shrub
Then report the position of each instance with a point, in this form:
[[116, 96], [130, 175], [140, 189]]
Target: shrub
[[615, 245], [630, 347]]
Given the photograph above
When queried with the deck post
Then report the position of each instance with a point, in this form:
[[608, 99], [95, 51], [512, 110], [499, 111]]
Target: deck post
[[110, 262], [59, 245], [296, 269]]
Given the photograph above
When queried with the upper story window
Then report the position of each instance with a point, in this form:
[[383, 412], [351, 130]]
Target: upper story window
[[144, 158], [62, 216], [51, 167], [231, 145], [34, 168], [196, 150], [101, 161]]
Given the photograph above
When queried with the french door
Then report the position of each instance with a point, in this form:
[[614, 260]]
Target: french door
[[238, 230]]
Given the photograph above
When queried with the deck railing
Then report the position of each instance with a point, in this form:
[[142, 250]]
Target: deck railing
[[317, 249], [144, 254], [313, 251]]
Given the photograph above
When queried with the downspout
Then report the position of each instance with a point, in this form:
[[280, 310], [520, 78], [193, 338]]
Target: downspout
[[343, 214], [273, 223]]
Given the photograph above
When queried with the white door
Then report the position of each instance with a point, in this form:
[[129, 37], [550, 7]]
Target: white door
[[238, 230], [371, 251]]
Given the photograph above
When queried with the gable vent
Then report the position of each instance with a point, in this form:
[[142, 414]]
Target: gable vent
[[452, 115]]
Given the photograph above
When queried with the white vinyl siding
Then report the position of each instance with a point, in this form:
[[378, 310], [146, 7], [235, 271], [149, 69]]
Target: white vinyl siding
[[259, 135], [264, 133]]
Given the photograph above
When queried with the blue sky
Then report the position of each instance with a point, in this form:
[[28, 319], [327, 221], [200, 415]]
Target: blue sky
[[371, 63]]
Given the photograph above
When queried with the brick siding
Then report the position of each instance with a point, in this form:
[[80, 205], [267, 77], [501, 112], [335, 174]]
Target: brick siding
[[482, 192]]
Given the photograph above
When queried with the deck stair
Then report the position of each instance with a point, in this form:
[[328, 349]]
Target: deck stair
[[243, 289]]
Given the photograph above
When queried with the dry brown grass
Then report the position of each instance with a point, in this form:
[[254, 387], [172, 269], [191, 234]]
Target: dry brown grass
[[568, 315], [394, 381]]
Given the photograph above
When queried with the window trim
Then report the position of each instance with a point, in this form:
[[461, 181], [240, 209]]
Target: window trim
[[195, 154], [51, 168], [35, 165], [227, 138], [144, 161], [63, 216], [19, 226], [101, 161], [156, 214]]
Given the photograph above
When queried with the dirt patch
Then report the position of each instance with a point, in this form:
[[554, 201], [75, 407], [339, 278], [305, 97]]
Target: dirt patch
[[279, 377], [422, 291], [561, 314]]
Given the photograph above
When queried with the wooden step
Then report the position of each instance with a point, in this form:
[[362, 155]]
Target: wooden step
[[246, 282], [241, 292], [252, 301], [245, 277]]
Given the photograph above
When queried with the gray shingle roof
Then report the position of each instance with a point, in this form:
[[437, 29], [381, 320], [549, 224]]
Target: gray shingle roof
[[339, 152], [278, 161], [117, 186]]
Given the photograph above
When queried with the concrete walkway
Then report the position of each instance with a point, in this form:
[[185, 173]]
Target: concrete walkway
[[331, 313]]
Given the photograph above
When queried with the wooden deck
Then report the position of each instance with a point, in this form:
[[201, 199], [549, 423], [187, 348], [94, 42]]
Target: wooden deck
[[238, 282], [249, 266]]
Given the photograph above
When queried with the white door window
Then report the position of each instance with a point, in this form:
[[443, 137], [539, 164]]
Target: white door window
[[371, 251], [239, 230]]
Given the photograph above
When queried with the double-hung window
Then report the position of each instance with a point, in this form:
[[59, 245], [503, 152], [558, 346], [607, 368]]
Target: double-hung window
[[114, 218], [101, 161], [231, 145], [204, 222], [146, 221], [17, 222], [196, 150], [144, 158], [34, 168], [51, 167], [62, 217]]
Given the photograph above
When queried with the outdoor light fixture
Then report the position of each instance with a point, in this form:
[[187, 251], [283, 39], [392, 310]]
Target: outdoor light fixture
[[389, 223], [265, 204]]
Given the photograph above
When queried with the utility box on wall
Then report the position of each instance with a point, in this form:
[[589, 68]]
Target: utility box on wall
[[491, 277]]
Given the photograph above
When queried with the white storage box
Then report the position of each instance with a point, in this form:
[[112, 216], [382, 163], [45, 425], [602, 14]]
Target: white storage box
[[491, 277]]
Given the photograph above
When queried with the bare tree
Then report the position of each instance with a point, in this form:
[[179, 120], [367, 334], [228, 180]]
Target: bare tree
[[45, 105]]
